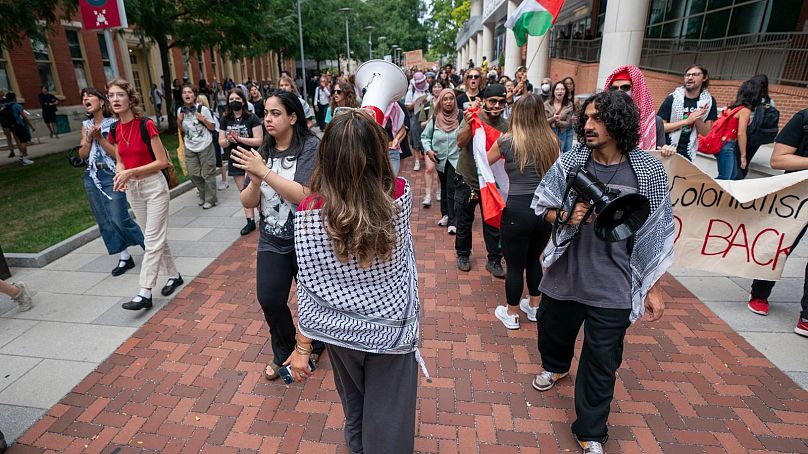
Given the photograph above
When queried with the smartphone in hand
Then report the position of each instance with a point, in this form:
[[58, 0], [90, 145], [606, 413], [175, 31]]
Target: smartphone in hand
[[286, 374]]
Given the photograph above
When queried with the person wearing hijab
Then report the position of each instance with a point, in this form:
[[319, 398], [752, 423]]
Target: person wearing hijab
[[631, 80], [440, 142]]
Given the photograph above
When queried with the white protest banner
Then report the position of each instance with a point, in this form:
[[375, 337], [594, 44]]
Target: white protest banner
[[738, 228]]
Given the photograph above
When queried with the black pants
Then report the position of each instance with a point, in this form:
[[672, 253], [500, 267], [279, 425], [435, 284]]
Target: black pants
[[274, 274], [319, 116], [602, 353], [763, 289], [378, 394], [447, 192], [465, 206], [524, 236]]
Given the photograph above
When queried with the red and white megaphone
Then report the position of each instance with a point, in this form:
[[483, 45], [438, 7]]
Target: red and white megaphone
[[382, 83]]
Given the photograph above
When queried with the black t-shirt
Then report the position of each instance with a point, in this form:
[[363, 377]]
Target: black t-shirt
[[463, 101], [792, 133], [47, 98], [258, 106], [276, 225], [690, 104], [243, 126]]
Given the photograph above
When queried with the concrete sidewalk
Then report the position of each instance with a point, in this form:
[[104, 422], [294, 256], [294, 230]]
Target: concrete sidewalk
[[77, 320]]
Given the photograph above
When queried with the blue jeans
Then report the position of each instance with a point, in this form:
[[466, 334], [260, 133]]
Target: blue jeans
[[395, 160], [727, 167], [117, 228], [564, 139]]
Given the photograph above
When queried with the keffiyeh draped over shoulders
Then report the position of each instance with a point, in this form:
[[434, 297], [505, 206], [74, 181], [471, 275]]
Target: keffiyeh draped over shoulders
[[653, 244], [372, 309]]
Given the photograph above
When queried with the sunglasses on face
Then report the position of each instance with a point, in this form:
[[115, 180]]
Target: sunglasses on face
[[498, 101], [337, 92], [624, 87], [474, 76]]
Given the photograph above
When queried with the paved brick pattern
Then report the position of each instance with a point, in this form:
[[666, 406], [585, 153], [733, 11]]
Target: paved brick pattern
[[191, 378]]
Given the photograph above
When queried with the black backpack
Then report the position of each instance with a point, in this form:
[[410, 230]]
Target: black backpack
[[7, 119], [144, 133], [763, 127]]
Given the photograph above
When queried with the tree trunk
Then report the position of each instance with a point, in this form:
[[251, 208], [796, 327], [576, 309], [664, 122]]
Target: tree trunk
[[162, 45], [280, 62]]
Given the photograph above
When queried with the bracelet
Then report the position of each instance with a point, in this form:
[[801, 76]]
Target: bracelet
[[265, 175], [303, 351]]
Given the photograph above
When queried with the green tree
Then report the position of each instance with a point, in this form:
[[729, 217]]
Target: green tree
[[447, 16], [23, 18]]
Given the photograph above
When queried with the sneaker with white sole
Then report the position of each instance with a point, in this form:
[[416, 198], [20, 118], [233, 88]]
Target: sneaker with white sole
[[25, 161], [222, 185], [23, 298], [529, 310], [451, 230], [510, 321], [417, 165], [545, 380], [437, 196], [427, 201], [443, 221], [591, 447]]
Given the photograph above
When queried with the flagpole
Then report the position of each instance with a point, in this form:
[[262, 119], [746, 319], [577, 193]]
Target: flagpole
[[533, 58]]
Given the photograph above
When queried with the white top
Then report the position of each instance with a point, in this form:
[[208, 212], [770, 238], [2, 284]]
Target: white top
[[196, 135]]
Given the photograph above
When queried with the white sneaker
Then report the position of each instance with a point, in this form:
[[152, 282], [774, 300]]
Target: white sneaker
[[546, 380], [207, 206], [222, 185], [452, 230], [24, 298], [427, 201], [437, 196], [510, 321], [26, 162], [524, 304], [417, 166], [444, 221], [591, 447]]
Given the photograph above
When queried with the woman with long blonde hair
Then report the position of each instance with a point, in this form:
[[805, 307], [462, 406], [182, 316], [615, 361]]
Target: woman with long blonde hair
[[357, 284], [529, 149]]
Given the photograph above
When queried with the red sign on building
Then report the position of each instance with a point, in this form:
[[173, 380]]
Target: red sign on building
[[101, 14]]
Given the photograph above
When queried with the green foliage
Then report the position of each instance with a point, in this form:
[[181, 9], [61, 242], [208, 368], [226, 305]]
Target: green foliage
[[21, 18], [446, 19]]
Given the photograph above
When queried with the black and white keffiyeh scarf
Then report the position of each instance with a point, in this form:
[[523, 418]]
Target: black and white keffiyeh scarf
[[678, 113], [653, 243], [97, 153], [372, 309]]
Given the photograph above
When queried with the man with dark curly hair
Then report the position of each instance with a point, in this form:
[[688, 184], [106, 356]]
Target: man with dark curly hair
[[604, 286]]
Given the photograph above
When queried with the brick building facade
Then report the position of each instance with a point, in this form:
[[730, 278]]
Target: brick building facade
[[73, 58]]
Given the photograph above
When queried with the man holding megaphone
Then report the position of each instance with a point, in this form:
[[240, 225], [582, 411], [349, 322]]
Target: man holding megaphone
[[602, 268]]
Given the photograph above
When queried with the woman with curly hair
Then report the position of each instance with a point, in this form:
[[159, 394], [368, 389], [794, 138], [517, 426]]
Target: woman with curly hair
[[138, 172], [342, 95], [358, 285]]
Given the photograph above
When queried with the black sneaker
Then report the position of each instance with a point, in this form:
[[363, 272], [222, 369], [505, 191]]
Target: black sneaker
[[123, 265], [249, 227], [138, 303], [495, 268], [463, 263], [171, 284], [11, 154]]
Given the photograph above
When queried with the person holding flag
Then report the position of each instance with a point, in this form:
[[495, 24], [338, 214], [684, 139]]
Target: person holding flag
[[478, 131]]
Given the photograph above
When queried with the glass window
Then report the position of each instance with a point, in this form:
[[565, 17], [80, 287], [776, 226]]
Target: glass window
[[5, 80], [716, 4], [692, 28], [81, 74], [696, 6], [675, 10], [672, 29], [109, 73], [73, 43], [782, 18], [657, 14], [715, 24], [655, 31], [202, 65], [77, 54], [44, 66], [746, 19]]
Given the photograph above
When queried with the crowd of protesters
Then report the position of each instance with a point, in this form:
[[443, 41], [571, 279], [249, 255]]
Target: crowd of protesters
[[334, 216]]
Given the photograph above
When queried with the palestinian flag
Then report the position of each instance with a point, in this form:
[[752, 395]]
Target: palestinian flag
[[533, 17], [492, 195]]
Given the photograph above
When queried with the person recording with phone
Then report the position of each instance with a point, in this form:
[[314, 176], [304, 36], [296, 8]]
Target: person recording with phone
[[604, 286]]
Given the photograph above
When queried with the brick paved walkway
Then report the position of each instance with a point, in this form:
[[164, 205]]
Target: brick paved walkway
[[191, 378]]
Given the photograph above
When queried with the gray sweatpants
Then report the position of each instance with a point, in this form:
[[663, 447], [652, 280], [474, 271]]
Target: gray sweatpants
[[202, 171], [378, 394]]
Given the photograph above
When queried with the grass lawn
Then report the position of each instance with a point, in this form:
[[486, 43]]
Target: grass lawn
[[45, 203]]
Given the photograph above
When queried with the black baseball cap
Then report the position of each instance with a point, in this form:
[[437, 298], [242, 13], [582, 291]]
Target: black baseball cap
[[495, 90]]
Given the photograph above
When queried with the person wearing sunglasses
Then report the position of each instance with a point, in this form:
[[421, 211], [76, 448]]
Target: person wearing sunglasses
[[467, 185], [689, 107], [342, 95], [472, 81], [559, 110], [631, 80]]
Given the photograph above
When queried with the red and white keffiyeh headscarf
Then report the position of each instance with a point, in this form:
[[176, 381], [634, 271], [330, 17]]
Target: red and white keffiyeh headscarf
[[642, 98]]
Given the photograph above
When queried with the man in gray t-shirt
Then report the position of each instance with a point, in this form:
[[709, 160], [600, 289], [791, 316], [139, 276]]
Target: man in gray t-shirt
[[590, 282]]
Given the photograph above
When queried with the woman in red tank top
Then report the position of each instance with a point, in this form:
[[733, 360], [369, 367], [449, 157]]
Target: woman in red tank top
[[138, 172]]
